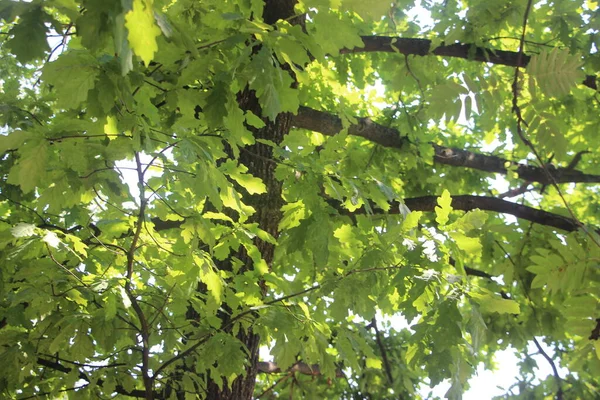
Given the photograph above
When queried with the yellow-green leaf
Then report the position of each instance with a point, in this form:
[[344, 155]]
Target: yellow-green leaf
[[374, 363], [444, 208], [490, 303], [142, 29]]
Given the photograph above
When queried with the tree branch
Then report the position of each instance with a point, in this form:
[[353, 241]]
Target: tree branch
[[559, 393], [459, 202], [268, 367], [422, 47], [119, 389], [386, 361], [330, 125], [144, 326], [468, 203]]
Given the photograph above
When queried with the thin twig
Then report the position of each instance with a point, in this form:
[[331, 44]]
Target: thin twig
[[520, 122], [32, 115], [104, 135], [158, 155], [63, 267], [25, 207], [144, 327], [78, 364], [109, 203], [155, 85], [270, 388], [62, 43], [104, 169], [149, 74], [524, 188], [43, 394], [559, 393], [557, 378], [416, 80], [386, 361]]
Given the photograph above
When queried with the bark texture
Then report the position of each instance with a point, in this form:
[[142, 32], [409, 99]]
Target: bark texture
[[258, 158]]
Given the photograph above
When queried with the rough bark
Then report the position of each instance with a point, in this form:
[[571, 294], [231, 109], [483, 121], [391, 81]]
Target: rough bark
[[258, 158]]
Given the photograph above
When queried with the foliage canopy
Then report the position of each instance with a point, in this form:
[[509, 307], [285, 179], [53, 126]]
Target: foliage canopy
[[184, 182]]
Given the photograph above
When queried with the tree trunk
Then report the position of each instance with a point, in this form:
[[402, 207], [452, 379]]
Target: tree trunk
[[258, 158]]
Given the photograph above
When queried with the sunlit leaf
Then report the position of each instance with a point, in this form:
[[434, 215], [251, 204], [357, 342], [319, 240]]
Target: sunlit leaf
[[142, 29]]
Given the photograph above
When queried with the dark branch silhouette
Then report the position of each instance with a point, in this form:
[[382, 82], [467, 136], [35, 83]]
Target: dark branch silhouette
[[460, 202], [119, 389], [468, 203], [330, 125], [422, 47], [267, 367]]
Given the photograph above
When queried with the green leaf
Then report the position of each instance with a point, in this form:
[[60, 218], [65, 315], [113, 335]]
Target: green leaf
[[28, 41], [334, 34], [470, 221], [253, 120], [318, 235], [285, 353], [110, 307], [211, 279], [374, 9], [373, 363], [470, 245], [216, 104], [273, 86], [30, 171], [411, 221], [491, 303], [13, 140], [293, 213], [143, 30], [71, 76], [250, 183], [556, 71], [442, 211], [62, 337]]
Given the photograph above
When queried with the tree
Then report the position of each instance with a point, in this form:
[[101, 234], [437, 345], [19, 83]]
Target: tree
[[186, 182]]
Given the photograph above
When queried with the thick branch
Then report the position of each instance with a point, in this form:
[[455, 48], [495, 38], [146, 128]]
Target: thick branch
[[461, 202], [468, 203], [330, 124], [559, 393], [267, 367], [422, 47]]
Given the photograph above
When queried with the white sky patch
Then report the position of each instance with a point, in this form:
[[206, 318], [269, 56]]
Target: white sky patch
[[129, 173]]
